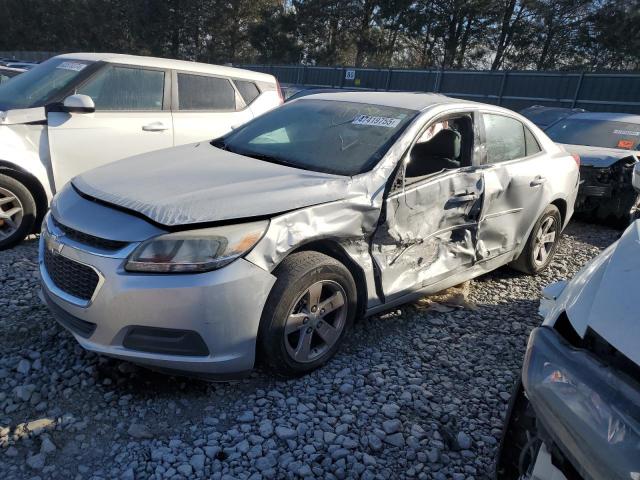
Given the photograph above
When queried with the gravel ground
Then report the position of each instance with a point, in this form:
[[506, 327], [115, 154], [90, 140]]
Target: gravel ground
[[412, 394]]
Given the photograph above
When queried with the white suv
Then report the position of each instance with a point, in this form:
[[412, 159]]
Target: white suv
[[79, 111]]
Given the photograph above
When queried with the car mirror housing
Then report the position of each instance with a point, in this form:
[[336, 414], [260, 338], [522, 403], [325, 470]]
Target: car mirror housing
[[79, 104]]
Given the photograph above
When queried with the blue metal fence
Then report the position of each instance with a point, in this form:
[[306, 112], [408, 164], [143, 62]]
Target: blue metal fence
[[614, 92]]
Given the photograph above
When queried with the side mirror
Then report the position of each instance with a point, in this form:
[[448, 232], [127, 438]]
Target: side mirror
[[635, 178], [79, 104]]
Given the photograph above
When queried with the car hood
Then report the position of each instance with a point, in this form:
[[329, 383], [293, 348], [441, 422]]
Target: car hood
[[598, 156], [603, 295], [199, 183]]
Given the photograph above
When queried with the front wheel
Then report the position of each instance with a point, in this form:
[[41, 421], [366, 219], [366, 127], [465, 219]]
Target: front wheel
[[542, 243], [308, 312], [17, 212]]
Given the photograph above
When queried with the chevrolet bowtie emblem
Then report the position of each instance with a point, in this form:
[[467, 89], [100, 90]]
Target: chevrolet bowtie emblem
[[53, 243]]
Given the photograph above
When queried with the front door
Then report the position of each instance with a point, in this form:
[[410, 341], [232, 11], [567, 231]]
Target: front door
[[130, 119], [429, 223]]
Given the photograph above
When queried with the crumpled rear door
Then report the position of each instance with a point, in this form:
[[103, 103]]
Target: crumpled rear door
[[428, 231]]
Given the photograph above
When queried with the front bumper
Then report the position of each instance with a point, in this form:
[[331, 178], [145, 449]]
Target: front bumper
[[222, 308], [590, 410]]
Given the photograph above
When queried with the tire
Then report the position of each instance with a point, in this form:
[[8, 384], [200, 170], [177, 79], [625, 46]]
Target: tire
[[17, 212], [290, 322], [531, 261]]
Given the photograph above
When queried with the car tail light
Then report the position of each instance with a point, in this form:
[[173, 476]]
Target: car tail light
[[576, 158], [279, 91]]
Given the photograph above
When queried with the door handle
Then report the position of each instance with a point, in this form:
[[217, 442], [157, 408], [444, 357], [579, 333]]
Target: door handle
[[155, 127], [536, 182]]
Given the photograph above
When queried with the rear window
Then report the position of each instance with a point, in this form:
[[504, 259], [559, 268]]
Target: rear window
[[248, 90], [596, 133], [199, 92]]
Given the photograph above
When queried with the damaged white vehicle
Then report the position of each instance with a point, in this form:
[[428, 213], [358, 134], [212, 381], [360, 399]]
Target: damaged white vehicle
[[580, 415], [576, 413], [78, 111], [276, 236]]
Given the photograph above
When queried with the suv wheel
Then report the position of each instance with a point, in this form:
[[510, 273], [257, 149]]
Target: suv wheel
[[308, 312], [17, 212], [542, 243]]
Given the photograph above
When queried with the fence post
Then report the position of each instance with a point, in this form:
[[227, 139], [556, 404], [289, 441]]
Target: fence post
[[502, 84], [577, 93], [439, 80], [304, 75], [342, 74], [389, 79]]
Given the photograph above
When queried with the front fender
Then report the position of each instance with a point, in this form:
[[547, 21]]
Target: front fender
[[25, 148]]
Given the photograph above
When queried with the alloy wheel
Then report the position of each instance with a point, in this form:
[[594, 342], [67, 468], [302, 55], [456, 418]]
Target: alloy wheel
[[545, 240], [11, 212], [316, 321]]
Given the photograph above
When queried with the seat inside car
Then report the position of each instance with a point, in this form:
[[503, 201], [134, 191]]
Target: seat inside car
[[441, 152]]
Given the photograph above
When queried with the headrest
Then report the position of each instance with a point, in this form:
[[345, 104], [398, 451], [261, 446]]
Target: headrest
[[444, 144]]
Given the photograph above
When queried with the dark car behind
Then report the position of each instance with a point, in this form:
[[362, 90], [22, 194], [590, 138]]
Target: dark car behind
[[544, 117], [608, 145]]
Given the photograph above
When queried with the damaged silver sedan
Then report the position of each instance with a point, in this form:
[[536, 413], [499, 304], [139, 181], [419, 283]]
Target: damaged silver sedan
[[274, 238]]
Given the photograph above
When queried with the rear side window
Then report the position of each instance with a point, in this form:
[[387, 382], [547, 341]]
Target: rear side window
[[126, 89], [199, 92], [504, 138], [531, 143], [248, 90]]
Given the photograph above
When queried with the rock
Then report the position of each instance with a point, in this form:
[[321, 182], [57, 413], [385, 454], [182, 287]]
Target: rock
[[36, 461], [285, 433], [397, 440], [137, 430], [46, 445], [23, 366], [390, 410], [464, 441], [266, 428], [246, 417], [346, 388], [265, 463], [197, 462], [185, 469], [391, 426]]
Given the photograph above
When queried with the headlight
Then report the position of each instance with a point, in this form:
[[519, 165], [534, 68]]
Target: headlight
[[195, 250]]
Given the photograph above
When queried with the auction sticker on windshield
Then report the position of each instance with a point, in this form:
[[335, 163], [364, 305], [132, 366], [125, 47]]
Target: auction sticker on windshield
[[76, 67], [376, 121]]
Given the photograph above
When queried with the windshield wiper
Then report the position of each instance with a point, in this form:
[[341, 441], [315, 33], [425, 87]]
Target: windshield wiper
[[267, 158]]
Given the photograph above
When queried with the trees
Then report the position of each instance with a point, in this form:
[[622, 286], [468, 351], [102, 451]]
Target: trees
[[540, 34]]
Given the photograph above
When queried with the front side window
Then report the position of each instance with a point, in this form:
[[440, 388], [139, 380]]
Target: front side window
[[596, 133], [445, 144], [505, 139], [199, 92], [126, 89], [38, 86], [337, 137]]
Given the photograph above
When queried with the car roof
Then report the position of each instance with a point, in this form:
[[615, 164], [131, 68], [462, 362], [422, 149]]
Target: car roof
[[607, 116], [408, 100], [169, 63]]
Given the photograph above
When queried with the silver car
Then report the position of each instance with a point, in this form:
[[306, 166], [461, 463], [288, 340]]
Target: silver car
[[272, 239]]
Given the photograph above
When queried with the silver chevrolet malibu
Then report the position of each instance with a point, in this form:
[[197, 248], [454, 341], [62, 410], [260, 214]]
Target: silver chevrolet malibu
[[270, 241]]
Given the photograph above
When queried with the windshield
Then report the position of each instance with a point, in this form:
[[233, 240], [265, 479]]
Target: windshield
[[596, 133], [37, 86], [337, 137]]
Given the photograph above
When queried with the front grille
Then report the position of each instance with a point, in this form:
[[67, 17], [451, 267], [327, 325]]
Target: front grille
[[89, 240], [71, 277]]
